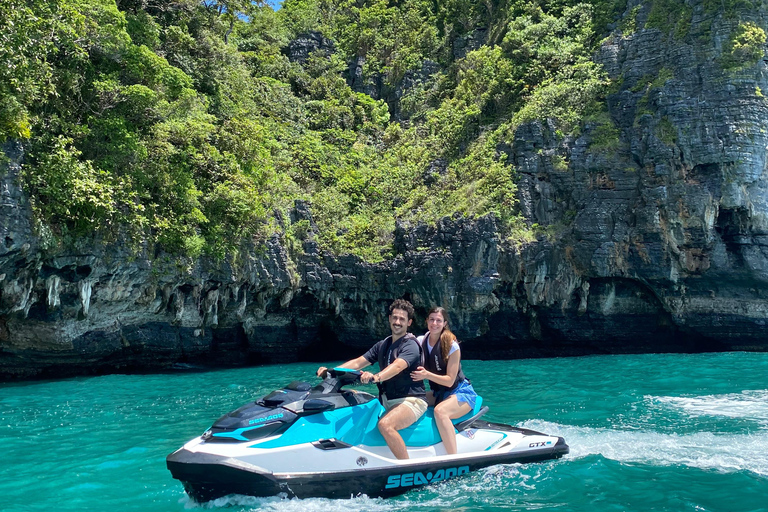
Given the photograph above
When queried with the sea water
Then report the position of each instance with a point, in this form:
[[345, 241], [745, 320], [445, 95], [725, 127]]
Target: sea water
[[647, 433]]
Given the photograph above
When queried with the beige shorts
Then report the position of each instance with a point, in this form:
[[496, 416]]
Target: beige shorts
[[416, 405]]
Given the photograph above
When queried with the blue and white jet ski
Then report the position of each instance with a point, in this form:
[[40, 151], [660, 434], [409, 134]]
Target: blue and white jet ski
[[323, 441]]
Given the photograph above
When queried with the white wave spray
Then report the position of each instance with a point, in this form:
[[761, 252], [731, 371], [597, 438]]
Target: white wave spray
[[725, 452], [749, 404]]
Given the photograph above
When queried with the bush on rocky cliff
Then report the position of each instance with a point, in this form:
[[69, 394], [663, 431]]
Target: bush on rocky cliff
[[745, 46]]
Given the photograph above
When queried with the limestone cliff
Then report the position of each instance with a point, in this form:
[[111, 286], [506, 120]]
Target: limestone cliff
[[654, 237]]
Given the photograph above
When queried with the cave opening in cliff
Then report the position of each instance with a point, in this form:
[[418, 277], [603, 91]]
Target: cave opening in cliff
[[326, 346], [733, 224]]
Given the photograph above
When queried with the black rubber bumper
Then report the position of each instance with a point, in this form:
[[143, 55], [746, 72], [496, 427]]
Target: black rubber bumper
[[207, 477]]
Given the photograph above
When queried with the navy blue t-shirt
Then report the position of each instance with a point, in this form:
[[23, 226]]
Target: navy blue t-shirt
[[405, 348]]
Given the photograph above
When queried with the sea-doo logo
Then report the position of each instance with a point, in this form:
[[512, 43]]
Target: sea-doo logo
[[538, 445], [262, 420], [419, 478]]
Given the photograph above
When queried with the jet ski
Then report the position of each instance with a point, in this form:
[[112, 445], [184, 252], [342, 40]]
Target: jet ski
[[323, 441]]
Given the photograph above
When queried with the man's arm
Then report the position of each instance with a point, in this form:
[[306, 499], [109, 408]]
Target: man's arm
[[353, 364], [356, 364], [397, 366], [409, 355]]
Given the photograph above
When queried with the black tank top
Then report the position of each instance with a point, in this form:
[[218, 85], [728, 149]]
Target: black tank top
[[435, 362]]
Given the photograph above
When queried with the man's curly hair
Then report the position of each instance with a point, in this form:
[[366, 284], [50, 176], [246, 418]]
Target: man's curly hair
[[404, 305]]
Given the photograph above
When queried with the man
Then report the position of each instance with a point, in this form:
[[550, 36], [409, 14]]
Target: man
[[398, 355]]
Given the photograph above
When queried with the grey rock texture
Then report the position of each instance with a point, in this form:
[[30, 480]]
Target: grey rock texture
[[462, 45], [669, 221], [300, 49], [653, 240]]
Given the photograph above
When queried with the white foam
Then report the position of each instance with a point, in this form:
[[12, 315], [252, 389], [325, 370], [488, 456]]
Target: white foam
[[450, 496], [749, 404], [703, 450], [292, 505]]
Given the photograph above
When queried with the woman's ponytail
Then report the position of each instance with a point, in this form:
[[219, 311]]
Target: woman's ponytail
[[446, 340]]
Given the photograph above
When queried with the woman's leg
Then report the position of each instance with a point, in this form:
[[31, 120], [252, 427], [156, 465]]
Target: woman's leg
[[445, 411]]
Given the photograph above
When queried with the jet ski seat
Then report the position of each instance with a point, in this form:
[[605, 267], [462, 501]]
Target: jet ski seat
[[424, 431]]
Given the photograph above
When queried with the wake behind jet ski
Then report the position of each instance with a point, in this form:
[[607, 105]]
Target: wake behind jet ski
[[323, 441]]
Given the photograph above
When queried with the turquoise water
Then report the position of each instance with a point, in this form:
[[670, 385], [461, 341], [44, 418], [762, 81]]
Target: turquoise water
[[647, 432]]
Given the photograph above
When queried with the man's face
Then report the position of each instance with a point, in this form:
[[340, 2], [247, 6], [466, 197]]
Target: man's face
[[399, 322]]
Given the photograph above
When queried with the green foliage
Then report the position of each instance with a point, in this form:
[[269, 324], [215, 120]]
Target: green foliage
[[629, 23], [71, 189], [14, 119], [665, 74], [332, 105], [745, 47], [730, 9], [649, 82], [559, 79], [608, 12], [392, 38], [143, 29], [671, 17], [604, 134], [185, 126], [137, 151], [567, 97], [666, 131], [31, 33], [301, 16]]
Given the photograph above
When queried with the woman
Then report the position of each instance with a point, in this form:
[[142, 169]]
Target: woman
[[451, 393]]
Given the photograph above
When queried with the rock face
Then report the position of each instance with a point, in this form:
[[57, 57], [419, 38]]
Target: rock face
[[301, 48], [653, 240], [670, 220]]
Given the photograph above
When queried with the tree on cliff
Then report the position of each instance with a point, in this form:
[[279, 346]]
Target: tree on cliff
[[186, 126]]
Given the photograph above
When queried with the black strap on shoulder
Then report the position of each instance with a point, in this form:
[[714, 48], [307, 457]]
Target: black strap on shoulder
[[382, 359], [384, 352], [422, 353]]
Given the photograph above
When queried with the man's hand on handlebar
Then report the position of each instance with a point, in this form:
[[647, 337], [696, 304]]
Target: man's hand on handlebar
[[346, 374]]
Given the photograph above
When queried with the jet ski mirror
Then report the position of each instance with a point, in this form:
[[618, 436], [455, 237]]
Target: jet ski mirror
[[315, 405]]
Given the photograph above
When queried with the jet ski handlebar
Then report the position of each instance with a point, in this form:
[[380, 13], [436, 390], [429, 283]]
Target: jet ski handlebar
[[340, 377], [344, 375]]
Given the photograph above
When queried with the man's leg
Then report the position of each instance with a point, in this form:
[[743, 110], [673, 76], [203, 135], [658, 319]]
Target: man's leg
[[399, 417]]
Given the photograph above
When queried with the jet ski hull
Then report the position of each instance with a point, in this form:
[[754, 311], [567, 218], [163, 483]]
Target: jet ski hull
[[323, 441], [206, 477]]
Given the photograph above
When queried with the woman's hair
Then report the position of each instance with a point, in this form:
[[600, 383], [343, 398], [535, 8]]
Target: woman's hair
[[446, 337]]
